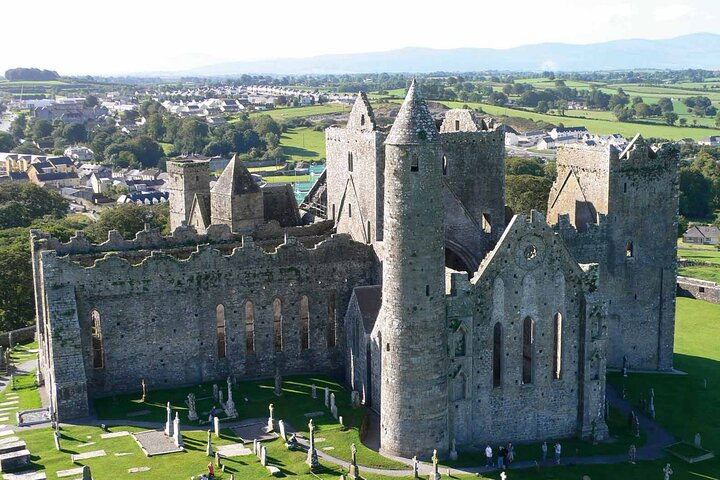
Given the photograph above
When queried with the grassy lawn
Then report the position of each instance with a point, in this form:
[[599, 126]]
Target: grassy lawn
[[700, 253], [291, 407], [26, 391], [167, 147], [287, 179], [602, 127], [292, 112], [269, 168], [303, 144]]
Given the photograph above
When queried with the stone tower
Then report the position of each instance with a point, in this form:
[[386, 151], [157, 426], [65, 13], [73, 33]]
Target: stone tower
[[619, 209], [413, 333], [187, 178], [236, 200]]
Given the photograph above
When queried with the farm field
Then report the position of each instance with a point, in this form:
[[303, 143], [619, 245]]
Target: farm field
[[294, 112], [306, 144]]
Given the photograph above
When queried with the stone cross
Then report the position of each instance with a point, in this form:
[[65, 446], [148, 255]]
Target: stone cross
[[263, 455], [355, 399], [667, 471], [216, 425], [229, 383], [168, 422], [314, 391], [86, 474], [216, 392], [354, 471], [503, 476], [56, 436], [332, 400], [255, 446], [209, 449], [192, 412], [278, 383], [281, 426], [436, 473], [271, 420], [144, 390], [327, 397], [221, 399], [415, 467], [312, 457], [177, 437], [697, 441], [453, 452], [333, 410]]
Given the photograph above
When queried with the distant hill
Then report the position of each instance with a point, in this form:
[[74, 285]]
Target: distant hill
[[700, 50], [30, 74]]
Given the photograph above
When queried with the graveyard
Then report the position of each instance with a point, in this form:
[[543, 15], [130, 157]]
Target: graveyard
[[685, 406]]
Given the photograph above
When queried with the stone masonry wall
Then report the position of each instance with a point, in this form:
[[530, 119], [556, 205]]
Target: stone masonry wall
[[158, 317], [700, 289]]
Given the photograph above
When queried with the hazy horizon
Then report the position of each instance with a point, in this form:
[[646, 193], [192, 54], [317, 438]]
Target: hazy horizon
[[144, 37]]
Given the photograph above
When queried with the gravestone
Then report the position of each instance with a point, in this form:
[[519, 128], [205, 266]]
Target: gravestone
[[453, 452], [355, 399], [192, 409], [271, 420], [56, 436], [340, 421], [312, 457], [168, 422], [209, 449], [263, 456], [230, 409], [697, 441], [177, 437], [436, 472], [354, 472], [327, 397], [667, 471], [216, 425], [87, 474], [332, 400], [144, 390], [216, 392], [281, 426], [221, 398], [314, 391], [278, 383], [415, 467], [255, 446]]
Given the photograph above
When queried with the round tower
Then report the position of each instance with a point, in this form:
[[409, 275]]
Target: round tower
[[413, 334]]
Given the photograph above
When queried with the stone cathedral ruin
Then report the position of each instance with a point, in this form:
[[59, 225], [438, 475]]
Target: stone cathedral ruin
[[400, 273]]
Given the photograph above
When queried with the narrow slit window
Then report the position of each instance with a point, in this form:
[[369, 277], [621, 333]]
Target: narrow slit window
[[557, 357], [457, 125], [362, 120], [427, 290], [220, 324], [527, 351], [624, 187], [304, 323], [350, 210], [369, 233], [97, 340], [497, 355], [444, 165], [414, 164], [249, 327], [331, 321], [629, 250], [277, 325], [486, 223], [350, 162]]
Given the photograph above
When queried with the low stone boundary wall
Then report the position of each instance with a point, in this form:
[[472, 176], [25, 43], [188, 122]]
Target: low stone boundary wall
[[700, 289], [21, 335]]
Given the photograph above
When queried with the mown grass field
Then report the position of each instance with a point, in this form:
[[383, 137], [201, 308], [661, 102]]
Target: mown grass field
[[304, 144], [700, 253], [294, 112]]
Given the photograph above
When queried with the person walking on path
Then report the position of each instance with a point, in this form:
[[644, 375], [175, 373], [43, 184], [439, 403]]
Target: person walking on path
[[544, 452], [558, 448], [211, 471], [489, 456]]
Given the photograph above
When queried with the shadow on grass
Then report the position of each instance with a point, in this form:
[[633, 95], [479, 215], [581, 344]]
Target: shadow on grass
[[299, 152]]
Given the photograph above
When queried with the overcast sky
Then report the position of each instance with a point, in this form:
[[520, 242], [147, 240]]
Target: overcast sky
[[129, 36]]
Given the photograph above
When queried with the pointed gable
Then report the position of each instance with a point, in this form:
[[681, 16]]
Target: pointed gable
[[414, 124], [199, 216], [361, 116], [235, 180]]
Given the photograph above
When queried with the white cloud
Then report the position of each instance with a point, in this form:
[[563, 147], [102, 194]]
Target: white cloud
[[670, 13]]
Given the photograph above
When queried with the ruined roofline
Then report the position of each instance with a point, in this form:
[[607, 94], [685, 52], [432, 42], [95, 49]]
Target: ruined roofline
[[291, 249], [183, 236], [565, 227]]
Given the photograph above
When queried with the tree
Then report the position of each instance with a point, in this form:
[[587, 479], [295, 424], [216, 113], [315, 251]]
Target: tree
[[683, 122], [623, 114], [128, 219], [75, 132], [498, 98], [41, 129], [31, 201], [91, 101], [264, 124], [192, 135], [682, 225], [561, 105], [695, 193], [666, 104], [18, 126], [717, 120], [7, 142], [155, 126], [523, 166], [527, 192], [670, 117], [542, 107], [146, 150], [27, 148]]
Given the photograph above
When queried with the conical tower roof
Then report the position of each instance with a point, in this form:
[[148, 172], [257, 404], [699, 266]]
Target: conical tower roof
[[235, 180], [413, 124]]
